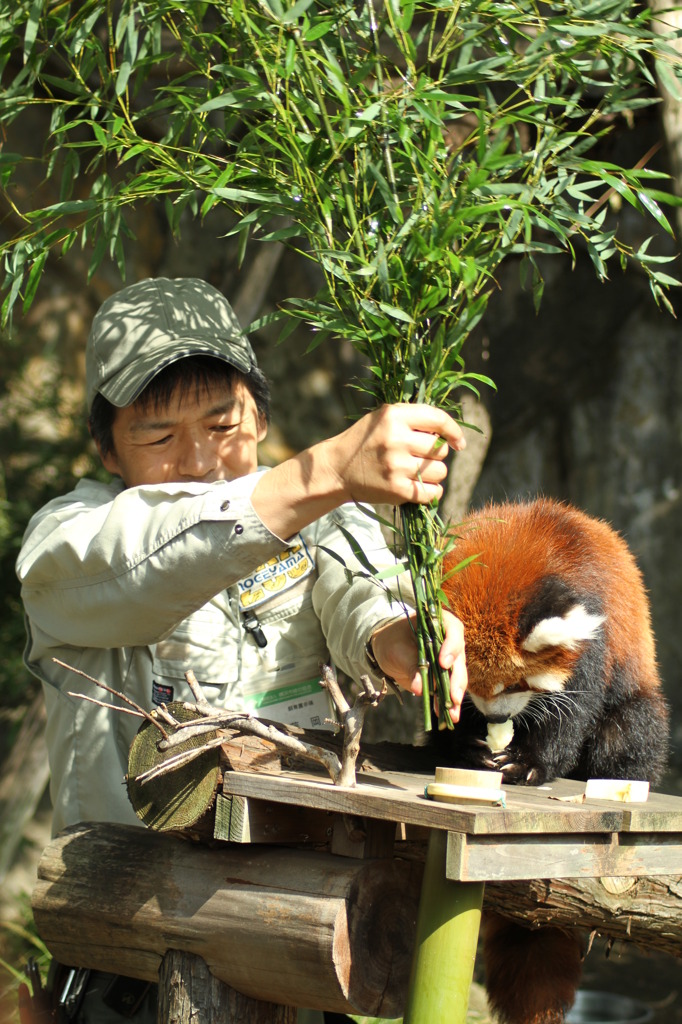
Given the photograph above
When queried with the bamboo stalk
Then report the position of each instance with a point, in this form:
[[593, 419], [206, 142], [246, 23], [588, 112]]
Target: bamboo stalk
[[420, 537], [447, 934]]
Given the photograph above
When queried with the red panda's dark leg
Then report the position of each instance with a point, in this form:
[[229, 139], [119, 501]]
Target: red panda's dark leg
[[531, 975], [630, 740]]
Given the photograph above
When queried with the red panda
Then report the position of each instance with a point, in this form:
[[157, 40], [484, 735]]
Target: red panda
[[558, 639]]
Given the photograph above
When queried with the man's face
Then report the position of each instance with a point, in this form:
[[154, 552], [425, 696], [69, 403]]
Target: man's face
[[206, 436]]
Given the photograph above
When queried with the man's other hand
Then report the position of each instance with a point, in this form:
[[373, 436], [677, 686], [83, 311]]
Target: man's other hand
[[395, 649]]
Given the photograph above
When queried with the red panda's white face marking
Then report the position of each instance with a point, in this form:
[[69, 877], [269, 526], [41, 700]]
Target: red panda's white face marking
[[548, 682], [542, 672], [509, 702], [507, 705], [567, 631]]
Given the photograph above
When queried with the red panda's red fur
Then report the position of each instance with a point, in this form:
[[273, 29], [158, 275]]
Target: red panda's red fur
[[532, 975], [520, 544], [594, 702]]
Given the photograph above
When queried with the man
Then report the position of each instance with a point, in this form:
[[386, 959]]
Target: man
[[196, 559]]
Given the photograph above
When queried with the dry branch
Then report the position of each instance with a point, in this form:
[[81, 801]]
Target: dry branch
[[191, 731], [115, 693], [352, 719]]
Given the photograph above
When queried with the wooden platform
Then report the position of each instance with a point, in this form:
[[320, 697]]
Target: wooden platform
[[544, 832], [282, 927]]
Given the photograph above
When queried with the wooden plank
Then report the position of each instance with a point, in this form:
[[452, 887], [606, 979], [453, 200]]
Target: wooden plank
[[400, 797], [661, 813], [497, 859], [240, 819], [362, 837]]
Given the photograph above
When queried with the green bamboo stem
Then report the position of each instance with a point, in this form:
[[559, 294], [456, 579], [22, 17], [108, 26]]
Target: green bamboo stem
[[447, 935], [419, 535]]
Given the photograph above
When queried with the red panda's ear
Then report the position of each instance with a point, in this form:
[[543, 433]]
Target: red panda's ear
[[567, 631]]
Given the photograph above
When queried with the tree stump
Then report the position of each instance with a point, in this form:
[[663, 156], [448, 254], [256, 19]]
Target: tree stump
[[179, 799], [190, 994]]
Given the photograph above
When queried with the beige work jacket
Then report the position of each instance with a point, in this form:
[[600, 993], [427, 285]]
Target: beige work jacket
[[135, 586]]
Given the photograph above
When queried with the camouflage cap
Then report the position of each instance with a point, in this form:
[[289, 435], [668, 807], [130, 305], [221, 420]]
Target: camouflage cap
[[148, 325]]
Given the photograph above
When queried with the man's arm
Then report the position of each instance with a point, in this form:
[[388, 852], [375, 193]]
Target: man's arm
[[351, 615], [151, 556], [395, 454], [101, 568]]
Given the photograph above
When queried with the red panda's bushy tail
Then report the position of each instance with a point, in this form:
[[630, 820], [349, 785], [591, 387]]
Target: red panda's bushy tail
[[531, 975]]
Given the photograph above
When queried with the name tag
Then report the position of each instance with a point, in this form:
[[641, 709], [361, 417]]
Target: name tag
[[304, 704]]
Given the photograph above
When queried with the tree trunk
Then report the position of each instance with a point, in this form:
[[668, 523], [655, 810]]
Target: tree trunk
[[646, 911], [24, 777], [670, 20], [190, 994]]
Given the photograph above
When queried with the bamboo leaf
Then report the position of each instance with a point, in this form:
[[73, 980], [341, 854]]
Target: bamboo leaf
[[395, 313], [669, 78], [650, 204], [33, 280], [32, 26], [357, 550], [245, 195], [392, 571], [124, 71], [295, 12]]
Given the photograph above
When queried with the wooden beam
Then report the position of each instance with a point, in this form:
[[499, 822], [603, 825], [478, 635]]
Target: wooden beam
[[338, 932], [496, 858]]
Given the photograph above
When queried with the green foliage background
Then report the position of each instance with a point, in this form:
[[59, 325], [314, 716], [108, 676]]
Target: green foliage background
[[409, 145]]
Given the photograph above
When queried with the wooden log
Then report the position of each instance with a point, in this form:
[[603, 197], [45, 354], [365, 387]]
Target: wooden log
[[189, 994], [180, 799], [646, 911], [292, 927]]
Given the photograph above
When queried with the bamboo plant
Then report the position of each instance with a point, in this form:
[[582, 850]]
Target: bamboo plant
[[406, 146]]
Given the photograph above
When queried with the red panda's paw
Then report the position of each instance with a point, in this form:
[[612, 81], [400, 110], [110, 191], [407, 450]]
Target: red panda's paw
[[475, 753], [519, 770]]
